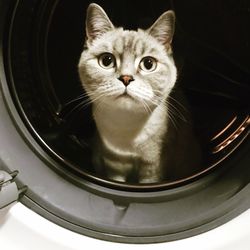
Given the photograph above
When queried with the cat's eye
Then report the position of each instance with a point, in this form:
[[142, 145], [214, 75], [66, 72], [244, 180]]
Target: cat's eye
[[148, 64], [107, 60]]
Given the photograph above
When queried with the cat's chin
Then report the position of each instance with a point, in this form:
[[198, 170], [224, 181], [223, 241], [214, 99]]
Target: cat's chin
[[128, 103], [125, 102], [125, 97]]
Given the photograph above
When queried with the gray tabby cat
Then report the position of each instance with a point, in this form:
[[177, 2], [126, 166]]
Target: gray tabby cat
[[128, 76]]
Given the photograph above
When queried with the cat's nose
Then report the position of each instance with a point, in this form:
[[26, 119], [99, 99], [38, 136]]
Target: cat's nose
[[126, 79]]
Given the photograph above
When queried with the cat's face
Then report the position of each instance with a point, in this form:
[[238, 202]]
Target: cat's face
[[123, 69]]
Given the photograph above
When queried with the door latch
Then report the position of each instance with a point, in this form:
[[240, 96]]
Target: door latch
[[9, 192]]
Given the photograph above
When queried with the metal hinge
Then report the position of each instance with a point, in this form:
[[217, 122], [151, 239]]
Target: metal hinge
[[9, 191]]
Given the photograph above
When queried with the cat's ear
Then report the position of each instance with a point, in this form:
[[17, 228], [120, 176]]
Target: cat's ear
[[163, 28], [97, 22]]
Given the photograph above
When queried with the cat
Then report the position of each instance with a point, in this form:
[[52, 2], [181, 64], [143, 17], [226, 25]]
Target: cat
[[128, 76]]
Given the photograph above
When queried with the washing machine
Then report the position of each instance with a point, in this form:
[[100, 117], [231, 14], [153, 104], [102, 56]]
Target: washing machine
[[50, 195]]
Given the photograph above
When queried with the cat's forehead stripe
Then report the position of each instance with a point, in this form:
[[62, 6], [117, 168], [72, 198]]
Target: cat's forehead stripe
[[130, 42]]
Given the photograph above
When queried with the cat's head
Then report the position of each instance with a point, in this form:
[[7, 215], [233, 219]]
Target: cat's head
[[130, 70]]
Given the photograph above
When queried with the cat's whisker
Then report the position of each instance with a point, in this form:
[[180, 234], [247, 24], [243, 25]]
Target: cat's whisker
[[97, 97], [144, 98], [177, 102], [76, 109], [173, 122], [146, 107], [80, 97], [160, 106], [85, 103], [113, 92], [172, 118], [171, 113], [163, 107], [176, 111]]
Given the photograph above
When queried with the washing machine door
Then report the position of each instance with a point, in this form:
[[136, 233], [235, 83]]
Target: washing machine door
[[32, 231], [44, 135]]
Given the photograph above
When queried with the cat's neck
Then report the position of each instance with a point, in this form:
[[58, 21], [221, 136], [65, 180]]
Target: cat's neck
[[124, 129]]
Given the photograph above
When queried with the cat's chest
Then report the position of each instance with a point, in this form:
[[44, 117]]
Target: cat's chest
[[120, 130], [131, 148], [123, 146], [131, 133]]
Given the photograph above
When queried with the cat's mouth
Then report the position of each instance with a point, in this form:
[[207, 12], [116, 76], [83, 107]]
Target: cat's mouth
[[125, 94]]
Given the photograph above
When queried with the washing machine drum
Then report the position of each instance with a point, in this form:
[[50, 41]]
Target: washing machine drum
[[46, 132]]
